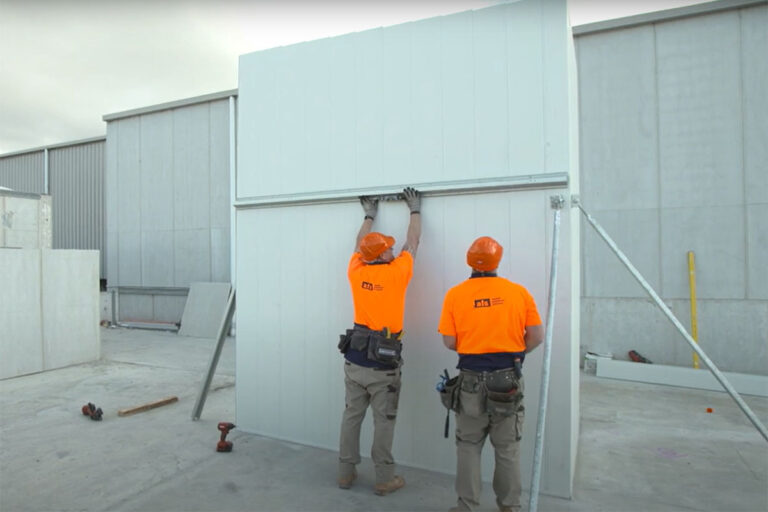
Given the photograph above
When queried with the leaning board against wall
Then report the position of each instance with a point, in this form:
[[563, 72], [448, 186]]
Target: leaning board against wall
[[475, 109]]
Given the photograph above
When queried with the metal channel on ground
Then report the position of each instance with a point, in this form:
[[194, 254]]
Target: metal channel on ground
[[526, 182]]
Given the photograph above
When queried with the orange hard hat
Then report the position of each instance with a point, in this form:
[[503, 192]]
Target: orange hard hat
[[374, 244], [484, 254]]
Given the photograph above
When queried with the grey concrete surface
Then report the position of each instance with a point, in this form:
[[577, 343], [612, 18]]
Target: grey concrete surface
[[642, 447]]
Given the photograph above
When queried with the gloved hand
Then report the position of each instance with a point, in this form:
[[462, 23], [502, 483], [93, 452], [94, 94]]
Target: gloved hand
[[412, 199], [370, 206]]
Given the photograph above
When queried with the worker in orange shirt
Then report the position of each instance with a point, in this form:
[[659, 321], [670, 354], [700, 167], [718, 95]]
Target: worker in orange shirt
[[491, 323], [372, 348]]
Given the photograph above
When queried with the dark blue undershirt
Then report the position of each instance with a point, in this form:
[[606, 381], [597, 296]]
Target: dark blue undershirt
[[489, 362]]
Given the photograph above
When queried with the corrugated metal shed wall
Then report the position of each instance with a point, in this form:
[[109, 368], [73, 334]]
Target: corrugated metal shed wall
[[76, 185], [24, 172], [674, 124], [169, 207]]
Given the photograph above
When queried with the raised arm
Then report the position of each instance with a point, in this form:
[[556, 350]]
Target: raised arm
[[370, 207], [413, 200]]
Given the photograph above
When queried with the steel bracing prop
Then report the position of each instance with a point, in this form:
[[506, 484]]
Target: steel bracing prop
[[672, 318]]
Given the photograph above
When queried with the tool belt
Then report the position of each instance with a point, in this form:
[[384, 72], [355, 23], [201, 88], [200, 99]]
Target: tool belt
[[381, 346], [502, 389]]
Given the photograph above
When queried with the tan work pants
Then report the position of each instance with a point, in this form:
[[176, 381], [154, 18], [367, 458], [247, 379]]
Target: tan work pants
[[473, 425], [381, 390]]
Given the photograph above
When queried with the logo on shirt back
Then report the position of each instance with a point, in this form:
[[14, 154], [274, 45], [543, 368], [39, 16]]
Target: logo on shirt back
[[486, 303], [372, 287]]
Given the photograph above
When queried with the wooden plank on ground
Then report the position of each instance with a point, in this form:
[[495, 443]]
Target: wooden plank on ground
[[146, 407]]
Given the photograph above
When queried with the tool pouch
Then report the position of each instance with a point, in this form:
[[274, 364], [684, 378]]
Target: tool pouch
[[384, 350], [504, 393], [344, 341], [358, 340], [449, 396]]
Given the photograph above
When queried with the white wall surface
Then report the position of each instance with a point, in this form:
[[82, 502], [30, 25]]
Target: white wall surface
[[49, 309], [465, 100]]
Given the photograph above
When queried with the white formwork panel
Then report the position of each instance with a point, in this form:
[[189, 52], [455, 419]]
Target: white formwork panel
[[473, 102]]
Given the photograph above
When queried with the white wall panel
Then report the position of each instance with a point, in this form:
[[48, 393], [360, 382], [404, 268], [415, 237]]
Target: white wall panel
[[298, 301], [477, 96], [498, 92]]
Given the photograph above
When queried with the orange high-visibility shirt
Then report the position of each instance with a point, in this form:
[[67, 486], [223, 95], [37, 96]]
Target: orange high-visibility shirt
[[378, 291], [488, 315]]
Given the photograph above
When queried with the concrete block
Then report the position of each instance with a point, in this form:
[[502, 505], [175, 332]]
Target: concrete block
[[716, 236], [20, 313], [70, 298], [636, 232]]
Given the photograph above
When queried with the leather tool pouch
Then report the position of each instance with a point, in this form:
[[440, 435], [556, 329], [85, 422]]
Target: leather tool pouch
[[384, 350], [504, 395], [344, 341]]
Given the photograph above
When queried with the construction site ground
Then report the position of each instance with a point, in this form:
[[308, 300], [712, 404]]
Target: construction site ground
[[642, 447]]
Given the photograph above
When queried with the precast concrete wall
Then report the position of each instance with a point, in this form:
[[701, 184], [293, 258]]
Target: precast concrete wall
[[674, 124], [49, 309], [25, 221], [475, 109]]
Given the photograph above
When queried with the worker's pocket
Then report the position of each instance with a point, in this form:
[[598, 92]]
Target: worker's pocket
[[504, 404], [472, 395], [393, 396]]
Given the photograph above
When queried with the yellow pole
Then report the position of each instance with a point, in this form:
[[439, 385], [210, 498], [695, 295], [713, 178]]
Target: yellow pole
[[694, 324]]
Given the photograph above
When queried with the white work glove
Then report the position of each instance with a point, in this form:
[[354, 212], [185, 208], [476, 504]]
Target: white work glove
[[370, 206], [412, 199]]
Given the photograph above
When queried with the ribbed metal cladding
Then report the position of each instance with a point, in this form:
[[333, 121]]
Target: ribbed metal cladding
[[77, 189], [23, 172]]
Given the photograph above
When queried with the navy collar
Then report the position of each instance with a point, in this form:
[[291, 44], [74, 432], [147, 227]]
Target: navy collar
[[475, 273]]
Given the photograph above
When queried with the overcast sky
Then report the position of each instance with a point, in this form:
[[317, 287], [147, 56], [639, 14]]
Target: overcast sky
[[66, 63]]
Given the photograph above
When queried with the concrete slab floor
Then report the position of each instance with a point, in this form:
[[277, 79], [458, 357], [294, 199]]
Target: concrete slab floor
[[642, 447]]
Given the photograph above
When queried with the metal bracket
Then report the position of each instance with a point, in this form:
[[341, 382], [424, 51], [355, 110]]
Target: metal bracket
[[575, 201], [557, 202], [388, 197]]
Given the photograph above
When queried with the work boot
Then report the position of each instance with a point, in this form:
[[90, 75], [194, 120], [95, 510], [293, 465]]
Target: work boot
[[345, 482], [391, 486]]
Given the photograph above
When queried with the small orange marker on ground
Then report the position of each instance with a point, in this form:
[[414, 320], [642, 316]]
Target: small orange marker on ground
[[709, 409]]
